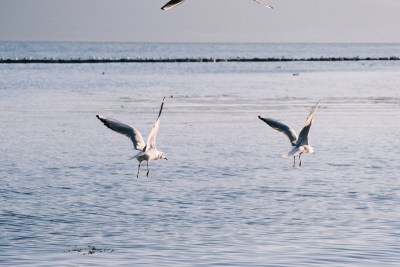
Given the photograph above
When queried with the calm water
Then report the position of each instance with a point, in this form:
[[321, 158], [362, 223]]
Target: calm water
[[225, 197], [177, 50]]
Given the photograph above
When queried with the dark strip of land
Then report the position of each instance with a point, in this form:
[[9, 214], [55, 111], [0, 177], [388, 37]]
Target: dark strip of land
[[186, 60]]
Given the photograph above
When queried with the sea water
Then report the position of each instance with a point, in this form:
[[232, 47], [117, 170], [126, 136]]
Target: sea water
[[69, 193]]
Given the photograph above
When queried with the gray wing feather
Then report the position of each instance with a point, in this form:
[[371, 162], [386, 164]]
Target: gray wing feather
[[303, 135], [283, 128], [172, 4], [124, 129]]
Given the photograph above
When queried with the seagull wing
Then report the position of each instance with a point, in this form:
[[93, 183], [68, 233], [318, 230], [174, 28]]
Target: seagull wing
[[303, 135], [151, 141], [283, 128], [172, 4], [124, 129], [264, 5]]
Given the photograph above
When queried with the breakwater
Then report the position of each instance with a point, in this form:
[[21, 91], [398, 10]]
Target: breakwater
[[185, 60]]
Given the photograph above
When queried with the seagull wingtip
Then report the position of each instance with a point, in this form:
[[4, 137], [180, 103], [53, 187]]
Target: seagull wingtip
[[101, 118]]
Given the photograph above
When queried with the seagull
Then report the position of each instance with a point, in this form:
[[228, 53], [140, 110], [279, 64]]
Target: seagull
[[174, 3], [148, 151], [300, 143]]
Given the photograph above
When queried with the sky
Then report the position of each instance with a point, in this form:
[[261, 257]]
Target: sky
[[200, 21]]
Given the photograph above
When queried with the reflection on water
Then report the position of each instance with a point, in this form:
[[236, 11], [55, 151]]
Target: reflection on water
[[225, 196]]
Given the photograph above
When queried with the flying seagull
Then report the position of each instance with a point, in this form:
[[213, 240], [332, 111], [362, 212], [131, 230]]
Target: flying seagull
[[300, 143], [174, 3], [148, 151]]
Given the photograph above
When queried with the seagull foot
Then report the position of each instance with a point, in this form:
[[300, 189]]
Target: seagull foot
[[147, 174], [137, 175]]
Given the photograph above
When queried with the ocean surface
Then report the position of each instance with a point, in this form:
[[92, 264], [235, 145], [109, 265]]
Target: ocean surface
[[225, 197]]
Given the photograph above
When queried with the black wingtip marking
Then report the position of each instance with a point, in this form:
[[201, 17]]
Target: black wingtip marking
[[101, 119], [104, 122], [161, 108]]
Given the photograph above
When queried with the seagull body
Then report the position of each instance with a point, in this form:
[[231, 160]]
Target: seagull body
[[300, 143], [148, 150], [174, 3]]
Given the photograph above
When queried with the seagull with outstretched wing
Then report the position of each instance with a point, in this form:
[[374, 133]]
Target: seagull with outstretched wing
[[174, 3], [148, 150], [300, 142]]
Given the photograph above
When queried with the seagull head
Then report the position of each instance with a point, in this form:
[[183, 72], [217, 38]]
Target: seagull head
[[309, 150], [162, 156]]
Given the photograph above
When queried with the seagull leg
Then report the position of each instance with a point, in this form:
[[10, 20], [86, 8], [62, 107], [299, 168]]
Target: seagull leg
[[300, 159], [147, 169], [294, 161], [138, 170]]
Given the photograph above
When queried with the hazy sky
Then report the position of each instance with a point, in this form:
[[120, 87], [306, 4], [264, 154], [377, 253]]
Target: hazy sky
[[201, 21]]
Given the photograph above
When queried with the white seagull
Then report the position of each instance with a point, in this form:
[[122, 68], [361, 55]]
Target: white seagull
[[174, 3], [148, 151], [300, 143]]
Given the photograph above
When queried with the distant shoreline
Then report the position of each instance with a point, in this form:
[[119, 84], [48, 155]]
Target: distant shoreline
[[187, 60]]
